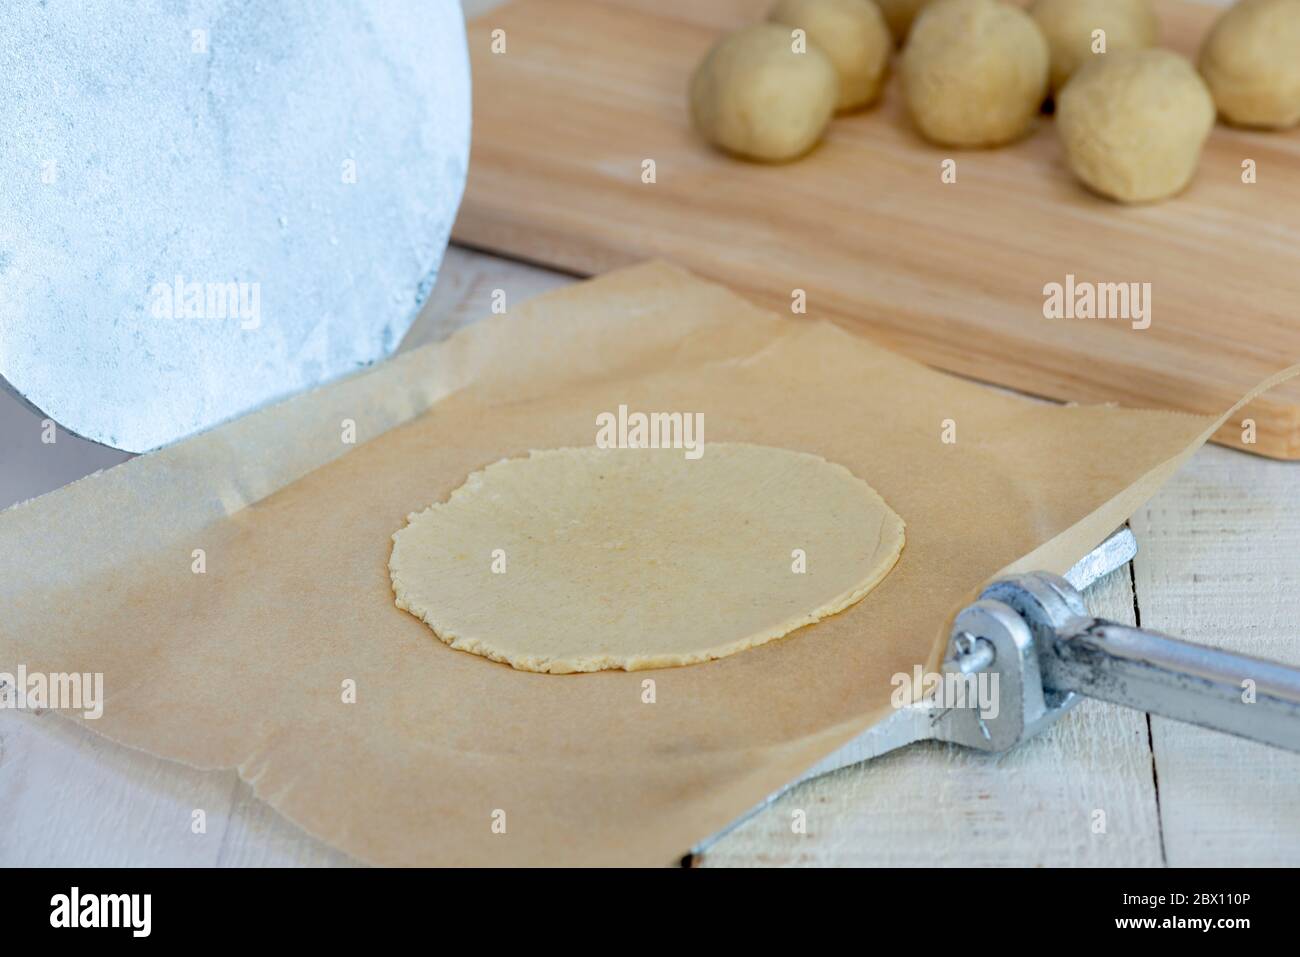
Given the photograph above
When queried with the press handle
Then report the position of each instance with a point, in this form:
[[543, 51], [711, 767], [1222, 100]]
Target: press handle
[[1249, 697]]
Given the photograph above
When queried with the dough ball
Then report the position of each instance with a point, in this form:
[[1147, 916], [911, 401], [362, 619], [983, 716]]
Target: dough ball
[[755, 97], [899, 14], [1133, 124], [1068, 26], [1251, 60], [974, 72], [855, 37]]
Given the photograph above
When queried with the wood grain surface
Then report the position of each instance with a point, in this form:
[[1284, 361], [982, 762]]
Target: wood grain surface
[[952, 274]]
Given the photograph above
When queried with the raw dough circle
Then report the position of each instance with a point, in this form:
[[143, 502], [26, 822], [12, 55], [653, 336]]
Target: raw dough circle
[[974, 72], [755, 97], [1068, 26], [1133, 124], [641, 558], [900, 14], [853, 34], [1251, 60]]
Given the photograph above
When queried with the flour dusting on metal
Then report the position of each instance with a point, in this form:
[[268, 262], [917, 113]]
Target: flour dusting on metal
[[214, 204]]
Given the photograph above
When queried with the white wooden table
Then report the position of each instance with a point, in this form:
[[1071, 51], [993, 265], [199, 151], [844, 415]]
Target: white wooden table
[[1219, 563]]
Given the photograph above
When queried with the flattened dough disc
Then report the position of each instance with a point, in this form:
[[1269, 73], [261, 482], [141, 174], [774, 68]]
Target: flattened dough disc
[[586, 559]]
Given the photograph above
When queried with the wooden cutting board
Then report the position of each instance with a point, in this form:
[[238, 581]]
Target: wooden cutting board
[[951, 274]]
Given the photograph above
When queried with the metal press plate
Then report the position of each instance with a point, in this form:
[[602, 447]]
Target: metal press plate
[[213, 204]]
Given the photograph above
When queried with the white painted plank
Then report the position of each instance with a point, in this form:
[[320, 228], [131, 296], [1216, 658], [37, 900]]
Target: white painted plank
[[1219, 564], [70, 798], [467, 288]]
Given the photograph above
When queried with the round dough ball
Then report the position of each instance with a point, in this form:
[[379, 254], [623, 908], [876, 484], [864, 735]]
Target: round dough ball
[[1133, 124], [974, 72], [755, 97], [899, 14], [1251, 60], [855, 37], [1068, 26]]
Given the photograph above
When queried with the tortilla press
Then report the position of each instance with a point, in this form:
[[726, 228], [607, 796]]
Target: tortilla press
[[212, 205], [1034, 633]]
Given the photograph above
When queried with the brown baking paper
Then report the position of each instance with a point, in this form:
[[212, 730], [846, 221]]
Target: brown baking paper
[[243, 665]]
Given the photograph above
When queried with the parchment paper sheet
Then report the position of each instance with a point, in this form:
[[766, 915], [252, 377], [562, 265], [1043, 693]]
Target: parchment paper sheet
[[242, 666]]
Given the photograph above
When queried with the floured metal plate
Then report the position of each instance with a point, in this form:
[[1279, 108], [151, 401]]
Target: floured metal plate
[[210, 205]]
